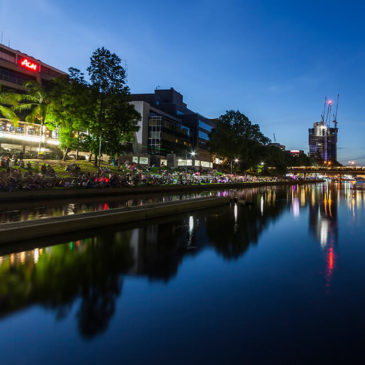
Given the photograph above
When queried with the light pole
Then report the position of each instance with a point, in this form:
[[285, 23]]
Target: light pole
[[193, 153], [236, 160], [262, 169], [99, 150]]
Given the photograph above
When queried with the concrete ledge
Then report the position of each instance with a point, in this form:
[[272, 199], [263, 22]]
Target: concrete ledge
[[134, 190], [22, 231]]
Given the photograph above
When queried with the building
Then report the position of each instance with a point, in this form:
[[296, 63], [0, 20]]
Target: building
[[169, 130], [296, 153], [277, 145], [323, 142], [16, 68], [323, 137]]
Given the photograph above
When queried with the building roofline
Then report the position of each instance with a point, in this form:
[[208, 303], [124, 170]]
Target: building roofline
[[33, 58]]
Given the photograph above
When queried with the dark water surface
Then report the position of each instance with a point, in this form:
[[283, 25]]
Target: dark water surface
[[30, 210], [276, 282]]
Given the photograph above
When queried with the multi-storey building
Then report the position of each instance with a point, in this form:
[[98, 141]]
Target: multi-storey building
[[323, 142], [169, 127], [17, 67]]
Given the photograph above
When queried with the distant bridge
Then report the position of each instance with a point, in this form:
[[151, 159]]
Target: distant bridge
[[335, 170]]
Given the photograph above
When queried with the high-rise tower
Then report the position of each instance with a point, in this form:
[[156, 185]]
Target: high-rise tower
[[323, 137]]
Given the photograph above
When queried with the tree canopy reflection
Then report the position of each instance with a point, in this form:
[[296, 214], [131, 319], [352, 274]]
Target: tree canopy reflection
[[90, 272]]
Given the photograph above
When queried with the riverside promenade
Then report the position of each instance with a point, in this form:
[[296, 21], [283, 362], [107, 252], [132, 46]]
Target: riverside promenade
[[22, 196], [22, 231], [45, 227]]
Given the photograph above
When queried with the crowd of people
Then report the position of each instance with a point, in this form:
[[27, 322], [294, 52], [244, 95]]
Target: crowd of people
[[15, 174]]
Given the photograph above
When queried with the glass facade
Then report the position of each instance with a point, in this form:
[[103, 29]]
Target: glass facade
[[167, 136], [14, 77], [203, 135], [7, 56], [205, 126]]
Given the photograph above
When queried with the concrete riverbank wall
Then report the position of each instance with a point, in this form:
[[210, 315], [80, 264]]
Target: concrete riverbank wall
[[23, 231], [133, 190]]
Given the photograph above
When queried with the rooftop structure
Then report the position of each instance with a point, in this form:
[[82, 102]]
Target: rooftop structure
[[323, 137], [17, 67], [168, 126]]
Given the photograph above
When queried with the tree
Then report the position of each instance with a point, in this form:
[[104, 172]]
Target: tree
[[8, 102], [114, 120], [70, 109], [37, 102], [275, 157], [236, 137]]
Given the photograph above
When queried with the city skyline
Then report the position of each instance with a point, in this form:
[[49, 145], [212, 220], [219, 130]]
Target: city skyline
[[275, 63]]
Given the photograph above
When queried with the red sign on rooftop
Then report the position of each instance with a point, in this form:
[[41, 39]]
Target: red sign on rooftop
[[24, 62]]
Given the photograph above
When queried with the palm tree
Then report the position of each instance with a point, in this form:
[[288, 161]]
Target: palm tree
[[37, 102], [8, 101]]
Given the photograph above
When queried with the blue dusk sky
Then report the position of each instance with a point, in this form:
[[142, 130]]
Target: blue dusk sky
[[275, 61]]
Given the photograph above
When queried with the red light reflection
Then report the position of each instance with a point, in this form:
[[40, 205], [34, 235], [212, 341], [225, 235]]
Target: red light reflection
[[331, 259], [330, 266]]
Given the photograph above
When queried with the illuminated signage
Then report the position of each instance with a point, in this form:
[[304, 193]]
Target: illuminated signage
[[29, 64], [143, 160]]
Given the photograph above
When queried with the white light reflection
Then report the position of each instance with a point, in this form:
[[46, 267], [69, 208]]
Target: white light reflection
[[262, 205], [191, 224], [323, 232], [36, 255], [295, 207], [191, 229]]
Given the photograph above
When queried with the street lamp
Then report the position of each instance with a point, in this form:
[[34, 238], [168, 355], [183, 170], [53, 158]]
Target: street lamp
[[236, 161], [262, 167], [192, 153]]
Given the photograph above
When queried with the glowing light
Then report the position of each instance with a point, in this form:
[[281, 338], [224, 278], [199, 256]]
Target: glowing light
[[36, 255], [191, 224], [28, 64], [323, 231], [295, 207], [26, 138], [331, 259], [262, 205], [329, 102]]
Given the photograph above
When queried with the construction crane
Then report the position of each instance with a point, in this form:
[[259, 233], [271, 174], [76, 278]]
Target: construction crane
[[329, 110], [336, 110]]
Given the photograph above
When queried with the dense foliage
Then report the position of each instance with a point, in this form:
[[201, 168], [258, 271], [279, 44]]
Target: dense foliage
[[236, 138], [90, 115]]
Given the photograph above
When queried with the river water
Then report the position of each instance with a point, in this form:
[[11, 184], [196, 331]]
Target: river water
[[278, 281]]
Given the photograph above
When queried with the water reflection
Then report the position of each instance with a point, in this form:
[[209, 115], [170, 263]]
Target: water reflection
[[90, 272], [92, 269], [323, 216], [19, 212]]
